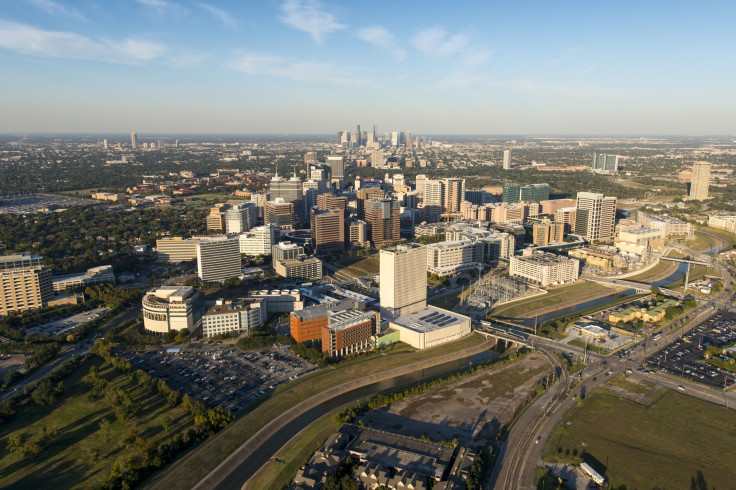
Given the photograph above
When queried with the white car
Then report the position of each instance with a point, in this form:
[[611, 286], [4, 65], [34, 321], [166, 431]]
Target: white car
[[680, 387]]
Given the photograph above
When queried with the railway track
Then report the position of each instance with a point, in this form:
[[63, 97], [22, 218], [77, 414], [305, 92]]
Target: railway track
[[513, 476]]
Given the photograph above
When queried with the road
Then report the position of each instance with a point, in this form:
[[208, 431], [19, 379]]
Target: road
[[515, 467], [70, 351]]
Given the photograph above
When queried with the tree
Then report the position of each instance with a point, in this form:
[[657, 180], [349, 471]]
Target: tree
[[104, 429]]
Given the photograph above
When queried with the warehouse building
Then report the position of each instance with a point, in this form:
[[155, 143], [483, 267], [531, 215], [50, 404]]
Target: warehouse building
[[430, 327]]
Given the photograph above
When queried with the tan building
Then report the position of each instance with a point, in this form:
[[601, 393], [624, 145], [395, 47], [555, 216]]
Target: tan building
[[700, 181], [640, 240], [366, 194], [603, 259], [228, 315], [451, 257], [25, 284], [176, 249], [551, 206], [218, 258], [403, 285], [216, 222], [544, 268], [331, 201], [280, 213], [546, 232], [726, 223], [384, 220], [328, 230], [567, 217], [302, 268], [358, 234]]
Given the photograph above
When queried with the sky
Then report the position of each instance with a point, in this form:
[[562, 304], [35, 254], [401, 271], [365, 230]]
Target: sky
[[317, 66]]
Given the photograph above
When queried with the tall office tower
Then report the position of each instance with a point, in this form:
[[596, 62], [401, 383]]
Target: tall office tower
[[383, 218], [419, 182], [258, 241], [176, 249], [291, 191], [330, 201], [25, 284], [567, 217], [403, 286], [218, 258], [286, 251], [328, 230], [402, 138], [453, 194], [365, 194], [344, 138], [133, 140], [159, 144], [104, 144], [700, 181], [547, 232], [409, 141], [394, 138], [240, 218], [595, 217], [507, 159], [375, 132], [337, 166], [176, 144], [398, 180], [433, 200], [280, 213], [603, 163], [340, 137], [378, 159], [259, 199], [310, 157], [529, 193], [359, 139], [312, 188]]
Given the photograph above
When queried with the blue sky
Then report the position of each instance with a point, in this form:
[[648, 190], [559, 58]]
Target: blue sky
[[301, 66]]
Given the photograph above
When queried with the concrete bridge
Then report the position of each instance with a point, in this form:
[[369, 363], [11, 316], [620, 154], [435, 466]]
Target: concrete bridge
[[510, 338], [639, 287]]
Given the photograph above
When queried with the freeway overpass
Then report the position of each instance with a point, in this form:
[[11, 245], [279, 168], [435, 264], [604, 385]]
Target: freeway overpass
[[639, 287]]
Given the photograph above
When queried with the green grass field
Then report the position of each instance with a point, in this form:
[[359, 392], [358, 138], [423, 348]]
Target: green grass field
[[359, 266], [447, 302], [190, 469], [664, 445], [658, 269], [554, 297], [723, 234], [80, 457], [591, 347]]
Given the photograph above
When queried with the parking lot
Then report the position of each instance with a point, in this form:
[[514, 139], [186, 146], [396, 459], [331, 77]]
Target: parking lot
[[10, 362], [68, 325], [35, 203], [223, 376], [685, 356]]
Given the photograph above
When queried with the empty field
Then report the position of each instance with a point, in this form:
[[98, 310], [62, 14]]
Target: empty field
[[578, 291], [664, 445], [359, 266]]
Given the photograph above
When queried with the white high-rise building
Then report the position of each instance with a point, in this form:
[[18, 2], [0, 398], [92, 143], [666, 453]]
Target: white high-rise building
[[337, 166], [218, 258], [507, 159], [395, 138], [104, 143], [700, 181], [258, 241], [133, 140], [595, 216], [240, 218], [403, 285]]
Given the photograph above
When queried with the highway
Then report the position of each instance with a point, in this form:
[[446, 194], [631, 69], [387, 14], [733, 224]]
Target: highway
[[520, 454]]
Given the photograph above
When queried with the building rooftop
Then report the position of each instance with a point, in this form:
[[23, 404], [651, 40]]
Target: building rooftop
[[342, 320], [429, 319], [234, 305], [19, 260], [168, 294]]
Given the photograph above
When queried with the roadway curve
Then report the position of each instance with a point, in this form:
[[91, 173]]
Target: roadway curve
[[223, 475]]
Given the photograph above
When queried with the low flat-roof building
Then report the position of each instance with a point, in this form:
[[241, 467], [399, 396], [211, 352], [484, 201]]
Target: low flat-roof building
[[544, 268], [430, 327], [172, 308], [94, 275], [233, 315], [451, 257], [306, 324], [302, 268], [176, 249]]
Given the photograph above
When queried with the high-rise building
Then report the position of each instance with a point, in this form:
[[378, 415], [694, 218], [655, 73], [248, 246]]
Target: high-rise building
[[240, 218], [331, 201], [328, 230], [403, 286], [365, 194], [218, 258], [453, 194], [546, 232], [700, 181], [336, 163], [603, 163], [507, 159], [567, 217], [595, 216], [280, 213], [358, 234], [394, 138], [286, 251], [384, 220], [104, 144], [359, 140], [310, 157], [291, 191], [378, 159], [25, 284], [172, 308], [528, 193], [133, 140]]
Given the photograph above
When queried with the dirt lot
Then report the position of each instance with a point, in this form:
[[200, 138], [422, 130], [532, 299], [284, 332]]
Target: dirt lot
[[471, 409], [11, 362]]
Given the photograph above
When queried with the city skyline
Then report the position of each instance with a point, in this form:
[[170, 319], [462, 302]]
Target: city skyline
[[159, 66]]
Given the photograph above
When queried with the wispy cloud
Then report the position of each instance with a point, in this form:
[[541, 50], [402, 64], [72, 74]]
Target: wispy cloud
[[309, 16], [224, 17], [185, 61], [163, 7], [382, 38], [55, 8], [30, 40], [303, 71], [436, 41]]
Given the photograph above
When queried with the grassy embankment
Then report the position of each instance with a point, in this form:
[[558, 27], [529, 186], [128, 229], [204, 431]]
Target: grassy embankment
[[664, 445], [554, 297], [190, 469], [359, 266]]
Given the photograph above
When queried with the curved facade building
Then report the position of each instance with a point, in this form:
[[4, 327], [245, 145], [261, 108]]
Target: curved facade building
[[173, 308]]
